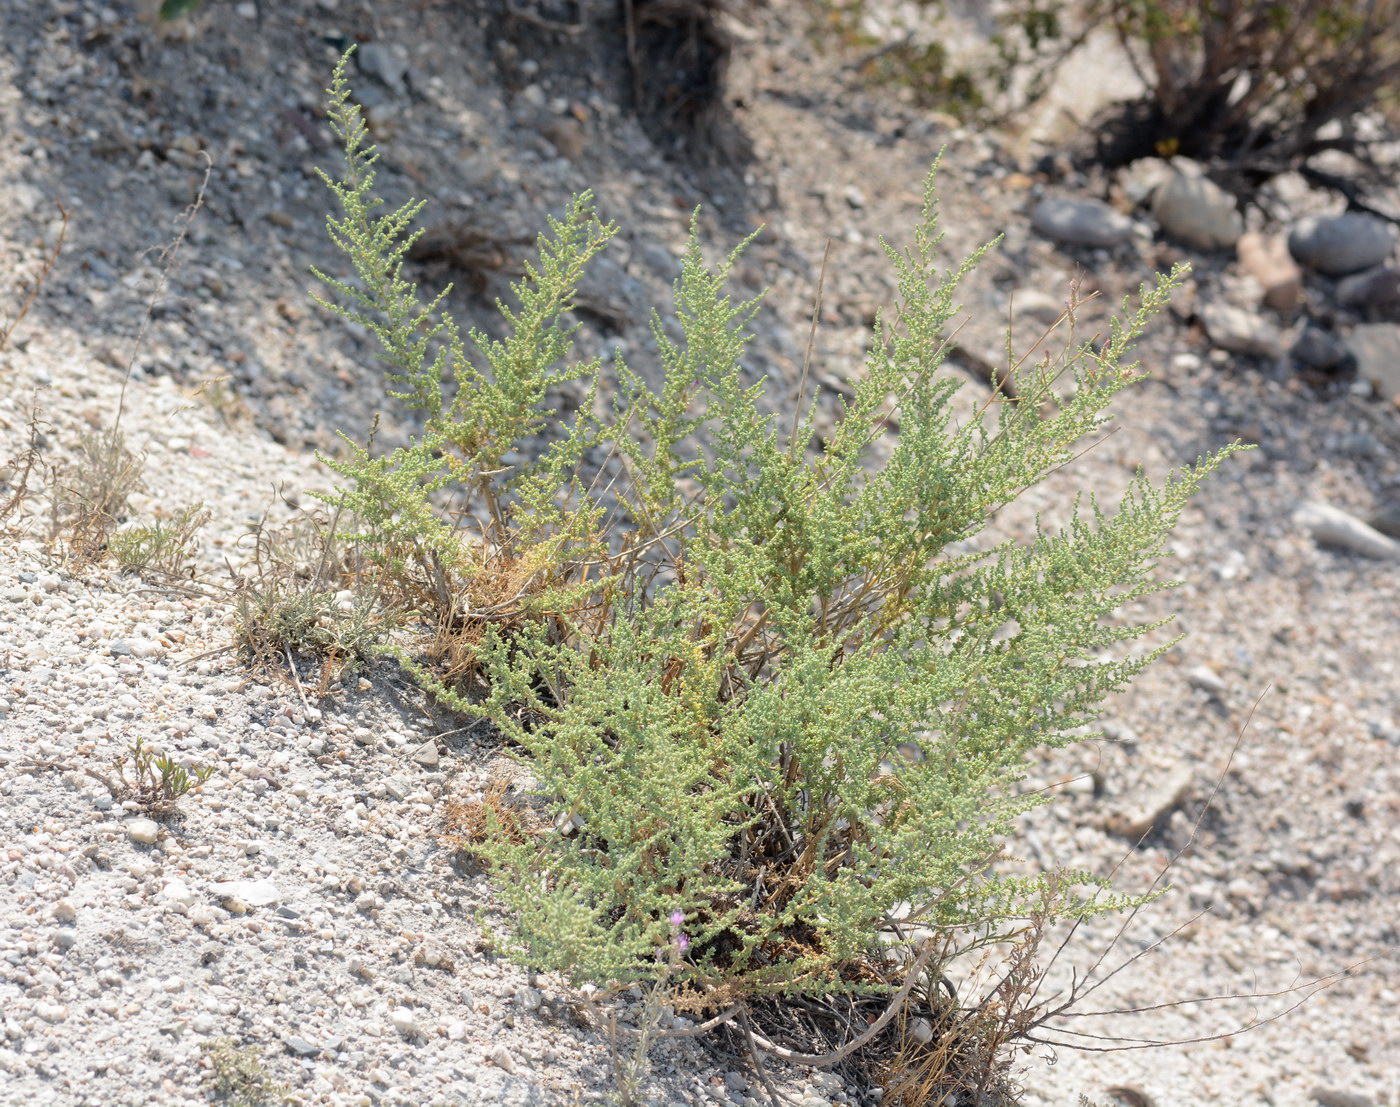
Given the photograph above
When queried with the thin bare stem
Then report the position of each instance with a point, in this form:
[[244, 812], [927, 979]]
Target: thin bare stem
[[168, 258], [807, 354], [1121, 1042], [1190, 841], [773, 1095], [44, 272], [727, 1015]]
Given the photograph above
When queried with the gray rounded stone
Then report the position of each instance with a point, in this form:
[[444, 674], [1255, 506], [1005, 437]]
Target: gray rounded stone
[[1341, 244], [1316, 349], [1078, 222], [1195, 210], [1372, 291]]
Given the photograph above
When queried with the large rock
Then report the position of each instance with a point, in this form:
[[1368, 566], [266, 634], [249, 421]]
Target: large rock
[[1332, 526], [1077, 222], [386, 64], [1314, 348], [1240, 332], [1373, 293], [1266, 259], [1192, 208], [1376, 347], [1341, 244]]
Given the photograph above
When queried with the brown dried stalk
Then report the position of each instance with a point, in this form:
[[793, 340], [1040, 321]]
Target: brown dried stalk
[[39, 281]]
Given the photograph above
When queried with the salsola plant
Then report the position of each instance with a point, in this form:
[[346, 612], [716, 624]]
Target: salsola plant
[[762, 685]]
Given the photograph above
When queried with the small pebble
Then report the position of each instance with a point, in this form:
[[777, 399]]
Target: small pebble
[[426, 755], [300, 1047], [405, 1022], [1326, 1096], [177, 891], [144, 831], [1206, 679], [251, 893], [502, 1059]]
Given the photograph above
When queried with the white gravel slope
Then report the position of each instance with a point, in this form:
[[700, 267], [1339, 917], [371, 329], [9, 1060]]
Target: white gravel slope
[[302, 900]]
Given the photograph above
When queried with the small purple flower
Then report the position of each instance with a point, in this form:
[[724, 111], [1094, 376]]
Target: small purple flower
[[679, 936]]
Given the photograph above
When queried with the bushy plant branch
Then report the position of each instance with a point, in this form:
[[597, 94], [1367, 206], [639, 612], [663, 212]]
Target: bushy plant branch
[[753, 683]]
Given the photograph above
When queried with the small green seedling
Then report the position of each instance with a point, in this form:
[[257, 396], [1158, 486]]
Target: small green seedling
[[153, 780]]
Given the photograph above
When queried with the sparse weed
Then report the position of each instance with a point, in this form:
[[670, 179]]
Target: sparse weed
[[161, 547], [7, 328], [912, 57], [278, 617], [17, 473], [307, 595], [231, 409], [154, 781], [89, 498], [631, 1066], [237, 1076], [470, 824], [918, 64], [107, 474], [943, 1051]]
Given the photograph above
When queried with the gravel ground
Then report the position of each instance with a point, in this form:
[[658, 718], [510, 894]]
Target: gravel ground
[[302, 901]]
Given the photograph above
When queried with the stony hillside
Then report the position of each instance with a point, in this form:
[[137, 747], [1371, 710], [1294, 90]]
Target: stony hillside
[[303, 902]]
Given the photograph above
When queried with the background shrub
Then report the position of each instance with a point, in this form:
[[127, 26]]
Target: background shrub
[[1253, 88], [1260, 87]]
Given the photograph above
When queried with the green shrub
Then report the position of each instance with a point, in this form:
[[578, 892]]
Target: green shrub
[[765, 688]]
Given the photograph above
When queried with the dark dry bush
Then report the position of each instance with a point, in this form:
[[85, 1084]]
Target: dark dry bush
[[1257, 88]]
